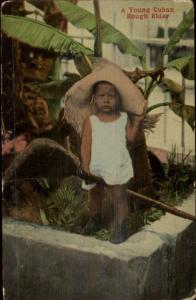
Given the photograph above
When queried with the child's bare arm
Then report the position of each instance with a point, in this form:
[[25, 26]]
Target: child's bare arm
[[132, 130], [86, 145]]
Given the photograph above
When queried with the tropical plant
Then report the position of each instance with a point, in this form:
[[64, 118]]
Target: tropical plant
[[65, 208], [49, 38], [40, 35], [179, 177], [152, 215], [58, 43]]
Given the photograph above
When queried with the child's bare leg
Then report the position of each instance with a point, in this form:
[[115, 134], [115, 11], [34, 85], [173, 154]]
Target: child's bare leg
[[95, 200], [116, 198], [95, 207]]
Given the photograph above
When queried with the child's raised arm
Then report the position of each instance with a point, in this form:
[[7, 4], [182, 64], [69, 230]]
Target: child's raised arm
[[132, 130], [86, 145]]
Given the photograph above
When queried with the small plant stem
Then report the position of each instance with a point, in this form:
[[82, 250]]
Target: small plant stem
[[157, 105], [149, 89]]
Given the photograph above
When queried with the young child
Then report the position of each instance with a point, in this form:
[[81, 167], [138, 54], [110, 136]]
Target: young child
[[104, 153]]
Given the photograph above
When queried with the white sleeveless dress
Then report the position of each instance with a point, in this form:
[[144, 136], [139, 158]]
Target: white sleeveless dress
[[110, 158]]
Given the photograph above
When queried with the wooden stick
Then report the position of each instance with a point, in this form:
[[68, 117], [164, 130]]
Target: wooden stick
[[153, 202], [163, 206]]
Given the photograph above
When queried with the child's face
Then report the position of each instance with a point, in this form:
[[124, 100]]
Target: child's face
[[106, 98]]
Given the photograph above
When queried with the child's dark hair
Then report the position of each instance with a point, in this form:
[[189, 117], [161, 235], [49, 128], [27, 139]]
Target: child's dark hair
[[96, 85]]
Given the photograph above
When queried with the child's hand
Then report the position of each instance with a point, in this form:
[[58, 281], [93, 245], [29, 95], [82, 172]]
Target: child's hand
[[139, 118], [83, 174]]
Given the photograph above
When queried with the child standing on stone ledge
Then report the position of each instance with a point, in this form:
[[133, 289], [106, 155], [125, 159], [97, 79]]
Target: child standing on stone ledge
[[104, 153]]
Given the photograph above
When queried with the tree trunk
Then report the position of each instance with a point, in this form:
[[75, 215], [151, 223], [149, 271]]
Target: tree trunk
[[142, 181]]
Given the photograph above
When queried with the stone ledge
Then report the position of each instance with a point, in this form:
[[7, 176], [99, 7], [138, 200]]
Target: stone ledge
[[157, 263]]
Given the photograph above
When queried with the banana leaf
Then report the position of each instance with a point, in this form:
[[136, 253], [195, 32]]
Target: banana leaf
[[168, 84], [185, 65], [82, 18], [54, 91], [40, 35], [187, 112], [57, 88], [83, 65], [175, 89], [184, 25], [188, 71], [184, 111]]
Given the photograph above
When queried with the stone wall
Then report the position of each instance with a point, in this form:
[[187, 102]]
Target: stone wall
[[157, 263]]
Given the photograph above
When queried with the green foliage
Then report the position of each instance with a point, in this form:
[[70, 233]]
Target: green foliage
[[183, 64], [179, 176], [66, 209], [44, 183], [188, 70], [103, 234], [47, 184], [152, 215], [181, 29], [170, 85], [187, 112], [180, 64], [53, 91], [40, 35], [82, 18], [83, 65], [177, 185]]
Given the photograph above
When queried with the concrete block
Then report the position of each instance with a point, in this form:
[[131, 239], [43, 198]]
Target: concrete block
[[157, 263]]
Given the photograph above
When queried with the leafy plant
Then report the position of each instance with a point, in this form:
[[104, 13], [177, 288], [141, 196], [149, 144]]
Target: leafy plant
[[66, 209], [180, 64], [152, 215], [184, 25], [41, 35], [44, 183], [179, 178], [47, 37], [82, 18], [102, 234]]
